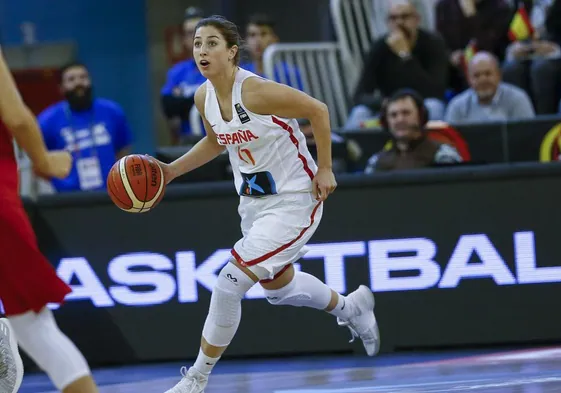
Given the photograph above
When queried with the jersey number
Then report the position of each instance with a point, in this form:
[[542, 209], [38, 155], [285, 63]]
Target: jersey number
[[246, 156]]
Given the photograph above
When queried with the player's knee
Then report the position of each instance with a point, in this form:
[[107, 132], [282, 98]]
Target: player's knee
[[225, 307], [225, 310], [227, 294]]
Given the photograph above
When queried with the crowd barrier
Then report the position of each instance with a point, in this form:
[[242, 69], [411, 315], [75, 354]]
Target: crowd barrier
[[318, 66], [455, 256], [535, 140], [513, 141], [353, 23]]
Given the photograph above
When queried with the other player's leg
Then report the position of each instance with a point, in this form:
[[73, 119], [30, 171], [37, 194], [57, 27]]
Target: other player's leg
[[40, 337], [11, 366]]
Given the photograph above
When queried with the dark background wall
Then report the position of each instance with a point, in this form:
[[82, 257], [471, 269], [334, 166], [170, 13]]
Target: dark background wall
[[452, 257]]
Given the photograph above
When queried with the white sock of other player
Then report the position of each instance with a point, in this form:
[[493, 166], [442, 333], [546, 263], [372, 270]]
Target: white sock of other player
[[306, 290]]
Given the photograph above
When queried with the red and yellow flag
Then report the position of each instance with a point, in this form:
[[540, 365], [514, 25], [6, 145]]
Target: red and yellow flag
[[469, 52], [520, 27]]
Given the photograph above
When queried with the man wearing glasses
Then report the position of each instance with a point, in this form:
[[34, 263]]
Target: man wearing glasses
[[406, 57]]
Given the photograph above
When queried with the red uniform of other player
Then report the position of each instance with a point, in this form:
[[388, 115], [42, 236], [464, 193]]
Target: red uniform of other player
[[27, 281]]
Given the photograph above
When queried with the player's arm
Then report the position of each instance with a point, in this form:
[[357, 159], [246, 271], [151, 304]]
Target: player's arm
[[19, 120], [204, 151], [270, 98]]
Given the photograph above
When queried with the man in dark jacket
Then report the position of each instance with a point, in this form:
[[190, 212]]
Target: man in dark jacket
[[405, 117], [407, 57]]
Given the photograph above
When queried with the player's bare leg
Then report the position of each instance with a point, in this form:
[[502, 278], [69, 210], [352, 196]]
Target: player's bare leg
[[355, 311], [11, 366], [81, 385]]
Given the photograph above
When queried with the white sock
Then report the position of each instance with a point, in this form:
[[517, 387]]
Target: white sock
[[344, 309], [204, 364]]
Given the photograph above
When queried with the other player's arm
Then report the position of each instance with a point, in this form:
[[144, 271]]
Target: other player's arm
[[270, 98], [21, 122], [18, 118], [204, 151]]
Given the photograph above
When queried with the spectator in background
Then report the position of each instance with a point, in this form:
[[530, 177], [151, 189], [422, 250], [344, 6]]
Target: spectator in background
[[405, 117], [94, 130], [260, 34], [407, 57], [483, 23], [534, 63], [488, 99], [182, 82], [553, 21], [425, 8]]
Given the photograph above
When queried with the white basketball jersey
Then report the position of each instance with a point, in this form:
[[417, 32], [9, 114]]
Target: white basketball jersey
[[268, 153]]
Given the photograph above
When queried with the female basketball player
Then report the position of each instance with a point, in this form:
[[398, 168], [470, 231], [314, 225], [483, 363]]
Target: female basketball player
[[281, 194], [27, 280]]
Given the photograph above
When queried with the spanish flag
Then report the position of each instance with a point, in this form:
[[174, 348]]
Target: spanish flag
[[520, 27]]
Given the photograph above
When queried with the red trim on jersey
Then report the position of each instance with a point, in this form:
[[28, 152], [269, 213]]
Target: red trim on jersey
[[271, 254], [293, 139], [284, 269]]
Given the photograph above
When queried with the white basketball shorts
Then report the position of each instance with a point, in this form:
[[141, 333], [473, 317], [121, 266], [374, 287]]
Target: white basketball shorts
[[275, 231]]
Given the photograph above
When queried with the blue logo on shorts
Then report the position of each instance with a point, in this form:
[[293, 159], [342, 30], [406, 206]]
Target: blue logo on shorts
[[257, 184], [253, 186]]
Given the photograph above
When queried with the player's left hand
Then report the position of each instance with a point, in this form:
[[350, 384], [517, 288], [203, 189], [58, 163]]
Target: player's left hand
[[324, 184]]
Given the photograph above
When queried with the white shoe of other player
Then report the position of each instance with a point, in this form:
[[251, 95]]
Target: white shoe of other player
[[11, 366], [363, 325], [192, 382]]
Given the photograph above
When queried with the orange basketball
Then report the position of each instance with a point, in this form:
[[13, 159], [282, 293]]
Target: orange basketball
[[136, 183]]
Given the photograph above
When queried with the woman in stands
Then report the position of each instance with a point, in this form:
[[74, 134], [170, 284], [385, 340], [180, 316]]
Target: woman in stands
[[27, 281], [281, 195]]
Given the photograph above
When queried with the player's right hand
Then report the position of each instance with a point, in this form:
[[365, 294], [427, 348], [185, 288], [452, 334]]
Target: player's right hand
[[58, 165], [169, 173]]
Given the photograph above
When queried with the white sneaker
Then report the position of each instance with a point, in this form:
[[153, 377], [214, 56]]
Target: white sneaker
[[192, 382], [363, 325], [11, 366]]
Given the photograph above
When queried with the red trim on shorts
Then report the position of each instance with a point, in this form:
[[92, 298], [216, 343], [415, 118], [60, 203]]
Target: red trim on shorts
[[293, 139], [281, 248], [284, 269]]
